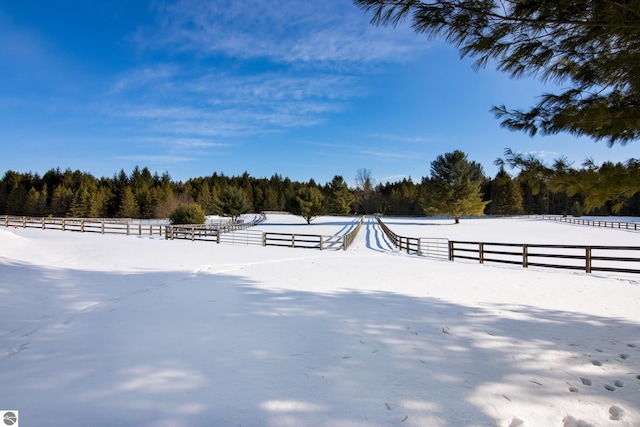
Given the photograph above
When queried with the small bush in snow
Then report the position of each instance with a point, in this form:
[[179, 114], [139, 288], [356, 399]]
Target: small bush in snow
[[190, 213]]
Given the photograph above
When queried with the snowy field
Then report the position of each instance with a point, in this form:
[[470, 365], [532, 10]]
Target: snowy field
[[103, 330]]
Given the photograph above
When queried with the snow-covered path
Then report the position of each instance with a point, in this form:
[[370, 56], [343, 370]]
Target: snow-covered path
[[371, 237]]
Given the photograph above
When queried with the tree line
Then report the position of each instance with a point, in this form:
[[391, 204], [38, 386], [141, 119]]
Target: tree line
[[456, 187]]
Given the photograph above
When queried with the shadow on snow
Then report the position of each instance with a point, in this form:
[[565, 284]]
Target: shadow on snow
[[194, 349]]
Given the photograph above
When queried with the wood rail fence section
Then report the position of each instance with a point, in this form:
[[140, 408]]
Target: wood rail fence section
[[221, 232], [635, 226], [86, 225], [238, 234], [620, 259]]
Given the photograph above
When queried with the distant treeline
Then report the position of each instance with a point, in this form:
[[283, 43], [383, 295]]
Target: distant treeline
[[537, 189]]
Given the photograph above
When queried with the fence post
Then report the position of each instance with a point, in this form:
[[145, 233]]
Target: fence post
[[588, 258], [321, 242], [63, 224], [42, 221], [24, 222], [525, 256], [128, 228], [82, 225], [140, 229], [293, 240], [450, 250], [102, 227], [481, 252], [264, 239], [193, 234]]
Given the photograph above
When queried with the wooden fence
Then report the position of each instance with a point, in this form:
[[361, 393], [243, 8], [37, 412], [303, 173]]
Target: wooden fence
[[211, 232], [621, 259], [219, 232], [86, 225], [238, 235], [309, 241], [593, 222]]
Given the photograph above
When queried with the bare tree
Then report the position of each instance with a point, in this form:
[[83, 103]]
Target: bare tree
[[366, 199]]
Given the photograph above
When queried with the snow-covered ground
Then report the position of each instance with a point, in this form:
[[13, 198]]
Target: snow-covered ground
[[102, 330]]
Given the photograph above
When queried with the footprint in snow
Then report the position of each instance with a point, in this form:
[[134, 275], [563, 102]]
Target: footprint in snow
[[586, 381], [596, 362], [609, 387], [615, 413], [569, 421]]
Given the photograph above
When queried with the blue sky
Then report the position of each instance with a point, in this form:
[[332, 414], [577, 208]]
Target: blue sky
[[305, 89]]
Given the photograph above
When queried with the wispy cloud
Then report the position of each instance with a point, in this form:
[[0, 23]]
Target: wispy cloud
[[229, 69], [143, 77], [402, 138], [143, 158], [388, 154], [178, 142], [223, 105], [281, 30]]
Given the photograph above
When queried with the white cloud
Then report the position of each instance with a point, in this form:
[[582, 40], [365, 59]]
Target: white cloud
[[402, 138], [293, 64], [389, 154], [178, 142], [145, 158], [145, 76], [280, 30]]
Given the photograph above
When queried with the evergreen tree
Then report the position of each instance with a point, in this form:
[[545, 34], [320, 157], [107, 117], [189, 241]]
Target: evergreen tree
[[81, 203], [506, 196], [205, 198], [534, 178], [4, 193], [401, 198], [608, 184], [16, 200], [340, 198], [307, 203], [454, 186], [31, 203], [233, 203], [61, 201], [129, 207], [589, 46], [145, 201], [43, 208]]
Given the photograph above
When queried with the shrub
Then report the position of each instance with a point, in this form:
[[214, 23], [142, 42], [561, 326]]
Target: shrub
[[577, 209], [190, 213]]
